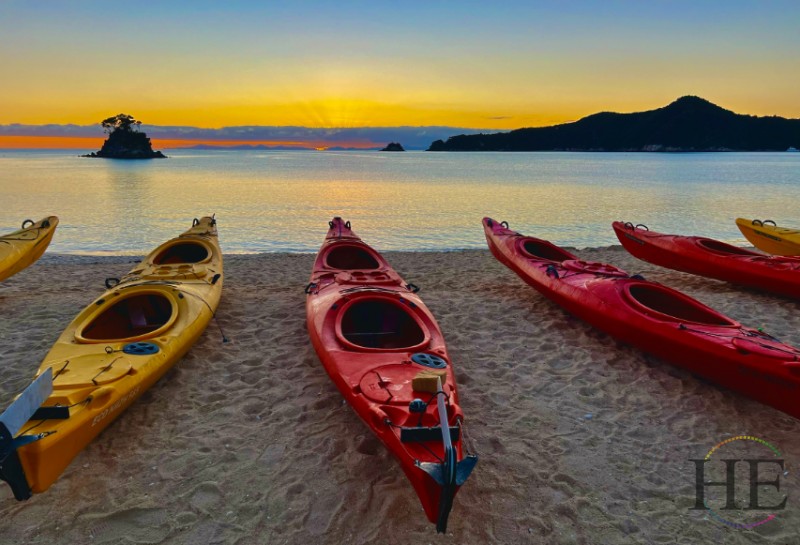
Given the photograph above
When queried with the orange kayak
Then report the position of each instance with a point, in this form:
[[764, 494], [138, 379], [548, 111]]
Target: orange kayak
[[385, 352]]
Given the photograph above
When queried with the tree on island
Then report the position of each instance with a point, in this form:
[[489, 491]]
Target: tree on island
[[125, 141], [122, 122]]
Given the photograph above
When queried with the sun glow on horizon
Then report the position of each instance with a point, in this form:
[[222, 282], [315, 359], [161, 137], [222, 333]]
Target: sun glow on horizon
[[90, 144]]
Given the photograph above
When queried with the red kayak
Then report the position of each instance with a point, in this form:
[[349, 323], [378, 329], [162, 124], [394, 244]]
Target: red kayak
[[655, 318], [383, 348], [712, 258]]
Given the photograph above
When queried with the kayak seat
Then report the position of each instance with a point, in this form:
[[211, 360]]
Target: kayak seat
[[347, 257], [541, 249], [183, 252], [722, 248], [674, 305], [130, 317], [380, 323]]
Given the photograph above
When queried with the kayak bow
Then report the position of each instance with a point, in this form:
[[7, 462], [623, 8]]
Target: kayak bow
[[768, 237], [24, 246]]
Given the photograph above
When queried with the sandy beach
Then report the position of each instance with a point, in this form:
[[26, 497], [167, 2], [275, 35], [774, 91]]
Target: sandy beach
[[581, 440]]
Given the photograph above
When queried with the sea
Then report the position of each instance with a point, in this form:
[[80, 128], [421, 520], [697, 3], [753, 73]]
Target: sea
[[281, 201]]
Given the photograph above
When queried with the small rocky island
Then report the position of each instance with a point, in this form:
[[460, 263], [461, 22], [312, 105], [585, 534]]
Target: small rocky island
[[125, 141], [393, 146]]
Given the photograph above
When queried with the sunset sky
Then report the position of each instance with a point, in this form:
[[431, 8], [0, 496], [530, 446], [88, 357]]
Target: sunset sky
[[492, 65]]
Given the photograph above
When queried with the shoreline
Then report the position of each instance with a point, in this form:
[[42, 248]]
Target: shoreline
[[582, 440]]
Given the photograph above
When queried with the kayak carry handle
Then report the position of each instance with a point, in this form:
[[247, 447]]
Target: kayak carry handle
[[413, 288], [26, 222], [759, 223], [111, 282]]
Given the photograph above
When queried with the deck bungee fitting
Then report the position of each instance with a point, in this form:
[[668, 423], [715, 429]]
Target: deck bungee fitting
[[711, 258], [768, 237], [385, 352], [655, 318], [110, 354], [24, 246]]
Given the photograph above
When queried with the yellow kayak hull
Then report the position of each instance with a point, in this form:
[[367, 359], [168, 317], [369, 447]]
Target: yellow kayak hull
[[23, 247], [769, 237], [105, 359]]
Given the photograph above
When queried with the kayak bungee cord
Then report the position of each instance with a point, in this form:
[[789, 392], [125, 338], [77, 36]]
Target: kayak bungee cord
[[749, 334]]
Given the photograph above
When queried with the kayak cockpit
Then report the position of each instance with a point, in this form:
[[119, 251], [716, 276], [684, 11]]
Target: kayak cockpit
[[351, 256], [542, 249], [722, 248], [138, 316], [182, 252], [664, 303], [379, 323]]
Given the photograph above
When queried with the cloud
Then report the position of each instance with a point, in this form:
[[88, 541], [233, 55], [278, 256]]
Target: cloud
[[409, 137]]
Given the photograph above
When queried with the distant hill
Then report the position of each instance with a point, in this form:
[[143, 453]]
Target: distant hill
[[688, 124]]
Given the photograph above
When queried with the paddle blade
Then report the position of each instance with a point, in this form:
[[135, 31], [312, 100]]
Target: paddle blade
[[22, 408]]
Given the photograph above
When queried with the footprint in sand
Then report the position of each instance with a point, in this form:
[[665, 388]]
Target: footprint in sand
[[130, 526], [323, 508], [205, 496]]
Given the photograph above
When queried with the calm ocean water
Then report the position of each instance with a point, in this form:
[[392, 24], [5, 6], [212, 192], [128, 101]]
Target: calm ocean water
[[282, 201]]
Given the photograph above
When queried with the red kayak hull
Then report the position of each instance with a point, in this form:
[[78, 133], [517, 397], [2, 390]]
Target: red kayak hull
[[368, 327], [713, 259], [656, 319]]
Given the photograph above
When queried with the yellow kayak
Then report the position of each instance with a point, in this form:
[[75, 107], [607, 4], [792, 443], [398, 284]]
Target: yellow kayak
[[23, 247], [113, 351], [770, 238]]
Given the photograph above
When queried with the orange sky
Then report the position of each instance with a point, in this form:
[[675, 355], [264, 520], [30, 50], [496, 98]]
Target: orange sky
[[500, 66], [94, 144]]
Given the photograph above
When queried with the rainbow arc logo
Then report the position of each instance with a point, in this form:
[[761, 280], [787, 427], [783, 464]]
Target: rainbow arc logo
[[754, 507]]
